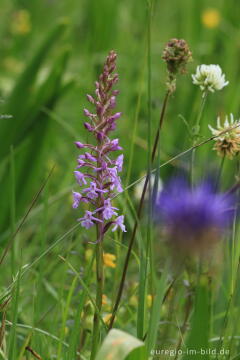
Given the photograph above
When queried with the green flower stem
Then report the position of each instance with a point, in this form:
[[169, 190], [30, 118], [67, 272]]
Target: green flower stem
[[219, 175], [96, 335], [234, 235], [99, 293], [196, 134]]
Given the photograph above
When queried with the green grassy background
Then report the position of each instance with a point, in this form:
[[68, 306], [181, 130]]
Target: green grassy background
[[44, 76]]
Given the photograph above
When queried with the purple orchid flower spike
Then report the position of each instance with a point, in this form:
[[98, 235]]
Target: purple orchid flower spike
[[98, 179]]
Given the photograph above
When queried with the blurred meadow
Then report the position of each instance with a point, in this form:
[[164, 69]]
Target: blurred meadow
[[51, 54]]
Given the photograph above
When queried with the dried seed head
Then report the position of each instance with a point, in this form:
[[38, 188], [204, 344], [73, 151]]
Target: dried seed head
[[227, 143], [227, 147], [177, 55]]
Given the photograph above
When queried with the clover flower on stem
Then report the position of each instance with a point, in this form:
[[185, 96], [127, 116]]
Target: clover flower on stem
[[209, 78], [227, 143]]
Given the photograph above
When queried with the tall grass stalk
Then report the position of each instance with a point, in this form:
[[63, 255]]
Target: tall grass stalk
[[139, 213], [220, 171], [12, 349], [145, 256], [77, 328], [33, 202], [13, 208]]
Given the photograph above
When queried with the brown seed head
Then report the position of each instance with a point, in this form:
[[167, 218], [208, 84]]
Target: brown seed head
[[177, 55], [227, 147]]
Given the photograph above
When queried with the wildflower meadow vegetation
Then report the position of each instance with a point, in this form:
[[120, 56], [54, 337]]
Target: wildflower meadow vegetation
[[119, 180]]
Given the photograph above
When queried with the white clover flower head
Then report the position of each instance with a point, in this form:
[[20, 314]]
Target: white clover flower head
[[227, 142], [230, 124], [209, 78]]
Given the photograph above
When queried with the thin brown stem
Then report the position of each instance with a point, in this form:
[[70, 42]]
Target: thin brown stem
[[37, 356], [2, 329], [139, 212]]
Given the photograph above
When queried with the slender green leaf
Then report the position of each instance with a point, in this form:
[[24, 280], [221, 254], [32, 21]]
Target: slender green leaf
[[156, 310], [199, 327]]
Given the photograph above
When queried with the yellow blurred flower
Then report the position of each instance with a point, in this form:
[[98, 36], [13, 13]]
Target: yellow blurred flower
[[21, 24], [149, 300], [133, 300], [104, 299], [164, 309], [88, 252], [12, 64], [107, 318], [108, 260], [211, 18]]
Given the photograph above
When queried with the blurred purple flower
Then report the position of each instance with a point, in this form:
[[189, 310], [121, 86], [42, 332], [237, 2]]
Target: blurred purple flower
[[193, 218], [98, 177]]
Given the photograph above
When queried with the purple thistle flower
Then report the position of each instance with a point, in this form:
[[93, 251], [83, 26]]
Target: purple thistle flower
[[99, 179], [193, 218]]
